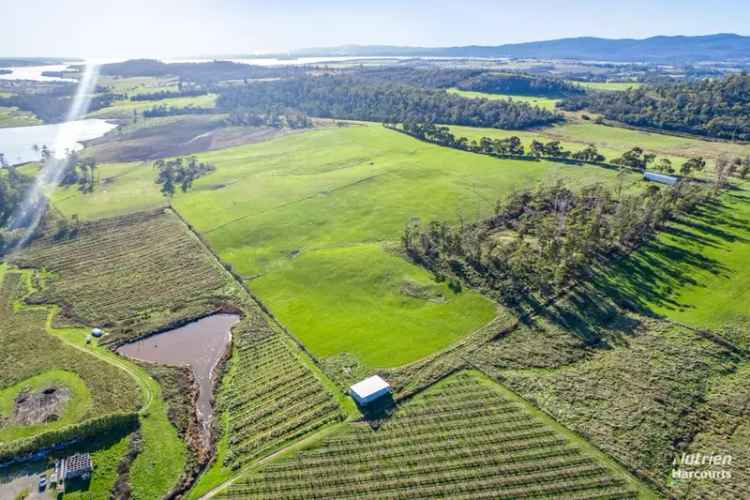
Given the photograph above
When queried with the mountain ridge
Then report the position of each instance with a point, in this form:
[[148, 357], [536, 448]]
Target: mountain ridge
[[665, 49]]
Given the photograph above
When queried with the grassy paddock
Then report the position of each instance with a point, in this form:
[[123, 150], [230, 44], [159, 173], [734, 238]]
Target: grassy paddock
[[320, 212], [542, 102], [613, 141], [14, 117], [616, 86], [697, 270], [126, 108]]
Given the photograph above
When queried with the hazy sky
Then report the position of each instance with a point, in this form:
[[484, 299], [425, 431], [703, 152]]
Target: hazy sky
[[163, 28]]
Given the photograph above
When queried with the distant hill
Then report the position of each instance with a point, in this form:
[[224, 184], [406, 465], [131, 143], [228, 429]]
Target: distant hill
[[676, 49]]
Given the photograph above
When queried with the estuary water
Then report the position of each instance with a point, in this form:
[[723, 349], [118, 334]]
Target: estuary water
[[17, 143]]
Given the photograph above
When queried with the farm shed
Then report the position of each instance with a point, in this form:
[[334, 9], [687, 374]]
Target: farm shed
[[660, 178], [73, 467], [369, 390]]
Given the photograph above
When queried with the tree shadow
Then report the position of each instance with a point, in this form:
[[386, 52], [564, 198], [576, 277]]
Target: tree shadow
[[377, 412]]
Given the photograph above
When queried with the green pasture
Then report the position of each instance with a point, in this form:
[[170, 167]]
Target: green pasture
[[310, 221], [613, 141], [123, 188], [14, 117], [697, 271], [542, 102], [125, 108], [608, 85], [138, 85]]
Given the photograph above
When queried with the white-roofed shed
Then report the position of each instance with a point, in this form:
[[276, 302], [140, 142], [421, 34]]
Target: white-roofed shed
[[369, 390]]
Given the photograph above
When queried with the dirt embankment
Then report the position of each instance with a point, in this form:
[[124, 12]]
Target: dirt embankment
[[40, 407]]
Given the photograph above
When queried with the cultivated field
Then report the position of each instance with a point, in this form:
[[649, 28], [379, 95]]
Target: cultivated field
[[271, 397], [640, 400], [33, 360], [130, 275], [463, 438]]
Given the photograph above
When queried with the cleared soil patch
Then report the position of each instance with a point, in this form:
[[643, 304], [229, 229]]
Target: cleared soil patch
[[200, 345], [40, 406], [174, 136]]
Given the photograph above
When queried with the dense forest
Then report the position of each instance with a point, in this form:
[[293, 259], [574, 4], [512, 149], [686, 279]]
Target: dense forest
[[539, 242], [713, 107], [519, 84], [475, 80], [348, 97]]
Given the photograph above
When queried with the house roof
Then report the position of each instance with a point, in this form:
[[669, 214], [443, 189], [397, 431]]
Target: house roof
[[369, 386]]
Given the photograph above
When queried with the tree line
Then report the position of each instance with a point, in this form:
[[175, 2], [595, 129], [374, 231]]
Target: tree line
[[538, 242], [347, 97], [164, 110], [168, 94], [711, 107], [512, 147]]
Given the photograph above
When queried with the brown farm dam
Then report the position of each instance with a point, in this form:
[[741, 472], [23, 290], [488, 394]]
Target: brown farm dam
[[199, 344]]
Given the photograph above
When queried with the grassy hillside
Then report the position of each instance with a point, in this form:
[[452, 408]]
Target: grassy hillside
[[13, 117], [640, 401], [311, 220], [608, 85], [697, 271], [613, 141], [125, 108]]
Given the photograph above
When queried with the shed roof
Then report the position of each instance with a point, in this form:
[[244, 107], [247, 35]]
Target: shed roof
[[369, 386], [663, 178]]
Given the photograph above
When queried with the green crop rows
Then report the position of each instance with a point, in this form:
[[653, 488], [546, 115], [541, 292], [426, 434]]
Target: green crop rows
[[272, 398], [461, 439], [130, 275]]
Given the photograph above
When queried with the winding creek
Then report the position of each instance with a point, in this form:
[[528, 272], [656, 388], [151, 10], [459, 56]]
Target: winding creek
[[199, 345]]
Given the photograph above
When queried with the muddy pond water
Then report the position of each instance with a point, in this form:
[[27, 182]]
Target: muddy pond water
[[199, 344]]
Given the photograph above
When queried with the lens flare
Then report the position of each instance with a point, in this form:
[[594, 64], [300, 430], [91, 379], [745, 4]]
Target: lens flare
[[30, 211]]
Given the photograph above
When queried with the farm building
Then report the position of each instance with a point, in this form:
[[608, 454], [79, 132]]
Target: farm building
[[661, 178], [369, 390], [73, 467]]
